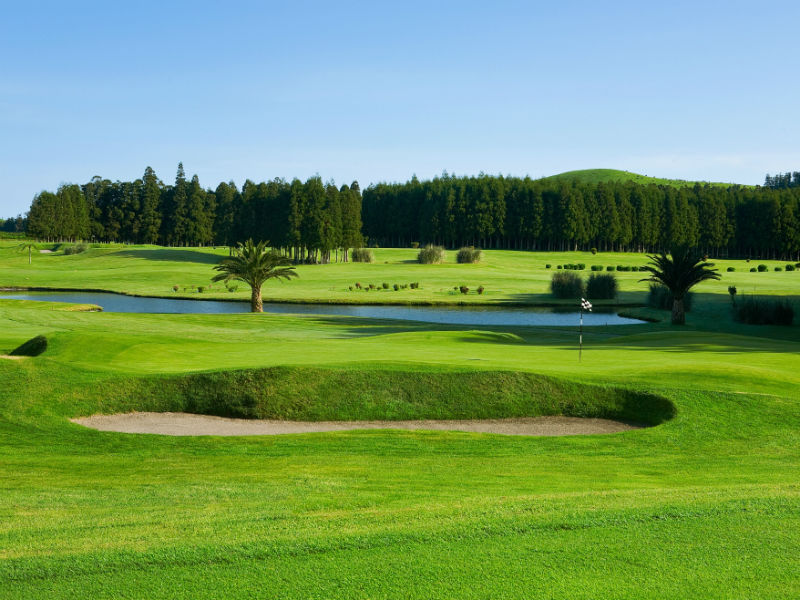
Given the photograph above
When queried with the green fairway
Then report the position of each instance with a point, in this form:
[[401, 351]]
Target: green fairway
[[705, 504], [615, 175], [508, 276]]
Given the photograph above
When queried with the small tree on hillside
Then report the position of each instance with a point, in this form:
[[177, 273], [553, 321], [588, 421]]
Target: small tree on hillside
[[254, 264], [30, 247], [679, 271]]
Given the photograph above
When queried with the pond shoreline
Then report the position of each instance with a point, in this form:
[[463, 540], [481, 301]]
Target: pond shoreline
[[333, 302]]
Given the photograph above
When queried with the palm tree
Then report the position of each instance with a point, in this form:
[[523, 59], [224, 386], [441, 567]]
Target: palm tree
[[254, 264], [679, 272], [29, 246]]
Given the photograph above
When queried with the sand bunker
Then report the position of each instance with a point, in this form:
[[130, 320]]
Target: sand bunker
[[189, 424]]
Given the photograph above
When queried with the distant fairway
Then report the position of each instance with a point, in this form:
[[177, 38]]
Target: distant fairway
[[507, 276], [706, 504], [615, 175]]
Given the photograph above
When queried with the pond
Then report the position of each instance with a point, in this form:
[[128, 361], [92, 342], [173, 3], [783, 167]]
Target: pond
[[452, 315]]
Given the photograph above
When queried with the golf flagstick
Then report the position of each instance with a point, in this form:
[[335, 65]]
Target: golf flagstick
[[585, 305]]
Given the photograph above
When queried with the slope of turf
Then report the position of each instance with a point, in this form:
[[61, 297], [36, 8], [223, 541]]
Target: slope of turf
[[613, 176], [352, 394]]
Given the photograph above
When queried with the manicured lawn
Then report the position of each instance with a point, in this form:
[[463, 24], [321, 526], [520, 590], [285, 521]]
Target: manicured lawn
[[704, 505], [508, 276]]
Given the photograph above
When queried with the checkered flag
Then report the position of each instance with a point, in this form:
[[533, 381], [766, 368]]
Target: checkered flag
[[586, 305]]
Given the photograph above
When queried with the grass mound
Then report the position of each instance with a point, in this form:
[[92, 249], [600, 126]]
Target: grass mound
[[33, 347], [313, 394]]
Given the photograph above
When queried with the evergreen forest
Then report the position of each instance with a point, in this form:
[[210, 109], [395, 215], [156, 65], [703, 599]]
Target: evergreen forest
[[316, 221]]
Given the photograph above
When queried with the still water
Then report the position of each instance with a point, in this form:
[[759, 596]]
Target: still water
[[455, 315]]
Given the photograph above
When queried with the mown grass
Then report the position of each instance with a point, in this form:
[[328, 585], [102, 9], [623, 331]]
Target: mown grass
[[507, 276], [706, 504], [615, 175]]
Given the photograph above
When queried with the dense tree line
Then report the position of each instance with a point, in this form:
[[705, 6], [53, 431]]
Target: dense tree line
[[510, 212], [782, 180], [317, 221], [14, 224], [311, 220]]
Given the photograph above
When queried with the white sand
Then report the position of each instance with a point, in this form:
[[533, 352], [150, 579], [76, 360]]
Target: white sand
[[190, 424]]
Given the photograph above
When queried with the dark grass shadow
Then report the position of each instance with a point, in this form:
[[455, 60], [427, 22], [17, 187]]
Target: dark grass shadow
[[195, 256]]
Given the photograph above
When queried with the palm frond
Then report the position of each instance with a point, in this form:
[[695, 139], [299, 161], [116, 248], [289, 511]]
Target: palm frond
[[679, 271], [254, 264]]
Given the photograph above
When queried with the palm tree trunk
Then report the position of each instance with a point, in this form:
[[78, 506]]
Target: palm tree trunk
[[678, 314], [256, 304]]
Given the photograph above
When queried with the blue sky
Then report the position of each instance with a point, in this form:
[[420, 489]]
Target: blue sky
[[377, 92]]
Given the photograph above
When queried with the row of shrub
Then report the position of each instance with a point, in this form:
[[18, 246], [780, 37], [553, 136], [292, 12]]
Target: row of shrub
[[465, 290], [582, 266], [764, 268], [760, 310], [229, 285], [597, 287], [384, 286]]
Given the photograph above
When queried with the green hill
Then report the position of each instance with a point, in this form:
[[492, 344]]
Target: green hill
[[612, 175]]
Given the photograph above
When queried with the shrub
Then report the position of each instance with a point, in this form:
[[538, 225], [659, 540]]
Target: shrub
[[620, 268], [385, 286], [547, 266], [566, 285], [350, 288], [762, 268], [469, 255], [415, 245], [362, 255], [597, 267], [609, 268], [175, 288], [660, 297], [358, 285], [593, 250], [732, 291], [634, 269], [756, 310], [778, 269], [201, 289], [395, 287], [559, 267], [752, 269], [731, 269], [797, 265], [372, 286], [480, 289], [415, 285], [431, 255], [790, 267], [601, 286], [232, 287], [580, 266], [463, 289], [76, 249]]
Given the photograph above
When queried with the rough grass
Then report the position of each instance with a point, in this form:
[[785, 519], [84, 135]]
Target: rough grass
[[313, 394]]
